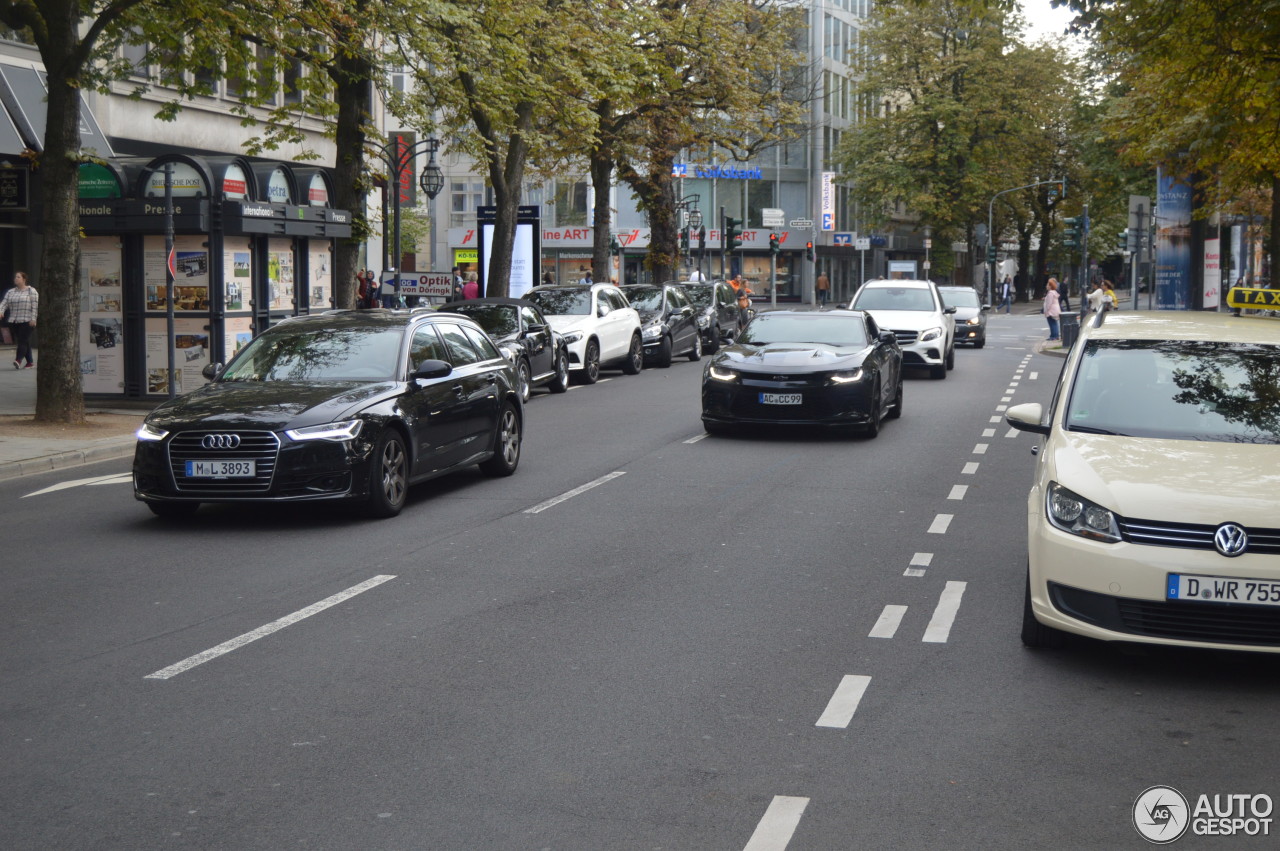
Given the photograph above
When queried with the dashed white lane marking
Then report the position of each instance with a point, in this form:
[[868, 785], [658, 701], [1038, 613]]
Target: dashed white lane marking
[[556, 500], [919, 562], [1034, 376], [944, 615], [980, 449], [988, 432], [778, 824], [275, 626], [696, 438], [995, 419], [940, 524], [1006, 398], [1013, 432], [970, 468], [1002, 407], [888, 622], [958, 491], [844, 702], [113, 479]]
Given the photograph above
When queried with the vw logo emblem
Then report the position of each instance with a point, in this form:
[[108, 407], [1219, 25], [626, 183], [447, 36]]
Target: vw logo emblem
[[1231, 540], [220, 441]]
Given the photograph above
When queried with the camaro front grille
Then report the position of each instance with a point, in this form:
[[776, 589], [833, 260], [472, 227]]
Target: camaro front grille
[[261, 447], [1192, 536]]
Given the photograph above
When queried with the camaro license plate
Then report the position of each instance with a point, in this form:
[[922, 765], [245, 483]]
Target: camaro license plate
[[220, 469], [781, 399], [1219, 589]]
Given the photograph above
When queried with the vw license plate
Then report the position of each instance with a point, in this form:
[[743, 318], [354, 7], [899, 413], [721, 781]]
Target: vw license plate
[[781, 399], [1218, 589], [220, 469]]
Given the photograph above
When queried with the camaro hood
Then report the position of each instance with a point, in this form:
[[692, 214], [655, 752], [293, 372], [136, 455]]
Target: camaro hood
[[791, 357], [906, 320], [1186, 481], [271, 405]]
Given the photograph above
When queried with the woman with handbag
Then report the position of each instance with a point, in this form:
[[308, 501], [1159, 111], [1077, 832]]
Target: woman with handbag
[[20, 306]]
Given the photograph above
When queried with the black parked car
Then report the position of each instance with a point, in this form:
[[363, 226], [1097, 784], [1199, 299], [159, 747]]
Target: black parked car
[[350, 405], [716, 305], [832, 368], [523, 334], [668, 326]]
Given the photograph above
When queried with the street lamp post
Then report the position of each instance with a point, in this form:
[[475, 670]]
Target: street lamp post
[[398, 159], [991, 236], [695, 219], [928, 243]]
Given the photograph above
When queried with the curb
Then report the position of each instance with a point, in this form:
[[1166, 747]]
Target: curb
[[122, 448]]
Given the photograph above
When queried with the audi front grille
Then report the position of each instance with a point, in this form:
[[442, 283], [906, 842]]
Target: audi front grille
[[261, 447]]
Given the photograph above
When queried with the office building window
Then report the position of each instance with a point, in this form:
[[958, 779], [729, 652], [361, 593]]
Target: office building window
[[571, 203]]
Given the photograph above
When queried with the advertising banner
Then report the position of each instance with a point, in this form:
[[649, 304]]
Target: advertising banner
[[101, 315], [1173, 244], [1212, 273], [828, 192]]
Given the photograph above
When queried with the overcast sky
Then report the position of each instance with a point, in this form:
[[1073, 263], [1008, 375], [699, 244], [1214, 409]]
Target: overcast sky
[[1044, 20]]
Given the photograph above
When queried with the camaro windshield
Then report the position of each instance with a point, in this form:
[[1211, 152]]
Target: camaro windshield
[[500, 320], [562, 302], [1226, 392], [821, 329], [301, 353], [894, 298]]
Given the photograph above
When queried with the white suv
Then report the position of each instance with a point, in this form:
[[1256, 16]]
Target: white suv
[[1154, 515], [914, 311], [598, 323]]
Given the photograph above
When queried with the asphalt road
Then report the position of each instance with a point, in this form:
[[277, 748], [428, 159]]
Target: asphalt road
[[706, 649]]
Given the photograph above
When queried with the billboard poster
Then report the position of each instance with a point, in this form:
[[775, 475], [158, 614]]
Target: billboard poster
[[321, 295], [524, 266], [190, 350], [1173, 244], [828, 193], [1212, 273], [280, 274], [190, 285], [101, 315], [237, 272]]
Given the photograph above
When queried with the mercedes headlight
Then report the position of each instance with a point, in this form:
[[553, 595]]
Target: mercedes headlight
[[572, 337], [149, 432], [345, 430], [930, 334], [719, 373], [1072, 513]]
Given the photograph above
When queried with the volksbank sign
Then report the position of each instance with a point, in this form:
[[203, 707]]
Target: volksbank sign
[[721, 171]]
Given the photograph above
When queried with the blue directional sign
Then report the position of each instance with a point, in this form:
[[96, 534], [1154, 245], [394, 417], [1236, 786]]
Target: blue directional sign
[[842, 239]]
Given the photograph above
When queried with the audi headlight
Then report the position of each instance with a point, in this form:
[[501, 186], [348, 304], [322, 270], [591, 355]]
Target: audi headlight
[[721, 374], [1072, 513], [654, 329], [149, 432], [930, 334], [846, 377], [345, 430]]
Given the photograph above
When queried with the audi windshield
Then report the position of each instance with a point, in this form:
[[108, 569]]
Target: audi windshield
[[309, 353]]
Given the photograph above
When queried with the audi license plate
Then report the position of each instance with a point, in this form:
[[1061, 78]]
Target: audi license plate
[[781, 399], [1218, 589], [220, 469]]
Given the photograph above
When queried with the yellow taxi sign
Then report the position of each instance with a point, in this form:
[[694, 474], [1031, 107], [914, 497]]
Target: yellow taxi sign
[[1243, 297]]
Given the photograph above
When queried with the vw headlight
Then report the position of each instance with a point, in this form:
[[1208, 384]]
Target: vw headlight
[[654, 329], [930, 334], [847, 377], [345, 430], [719, 373], [1072, 513], [977, 320], [149, 432]]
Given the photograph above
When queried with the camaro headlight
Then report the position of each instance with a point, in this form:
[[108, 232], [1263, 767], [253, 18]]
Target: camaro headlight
[[1072, 513], [930, 334], [150, 432], [847, 377], [656, 329], [719, 373], [345, 430]]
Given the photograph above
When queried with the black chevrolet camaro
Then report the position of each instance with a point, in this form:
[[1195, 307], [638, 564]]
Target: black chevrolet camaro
[[829, 368], [351, 405]]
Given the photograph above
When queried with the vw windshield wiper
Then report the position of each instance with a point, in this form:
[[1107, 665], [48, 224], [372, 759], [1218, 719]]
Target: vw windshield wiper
[[1094, 430]]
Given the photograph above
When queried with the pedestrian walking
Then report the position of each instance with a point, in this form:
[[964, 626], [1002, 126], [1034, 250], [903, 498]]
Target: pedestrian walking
[[1110, 293], [471, 289], [823, 287], [1097, 301], [455, 288], [19, 307], [696, 276], [1006, 294], [1052, 308], [586, 278]]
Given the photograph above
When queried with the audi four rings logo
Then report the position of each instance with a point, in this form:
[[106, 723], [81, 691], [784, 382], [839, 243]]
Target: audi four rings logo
[[1231, 540], [220, 441]]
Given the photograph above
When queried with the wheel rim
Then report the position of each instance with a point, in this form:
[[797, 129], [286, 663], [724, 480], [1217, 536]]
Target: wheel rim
[[593, 362], [393, 477], [509, 439], [522, 376], [697, 344], [637, 356], [562, 369]]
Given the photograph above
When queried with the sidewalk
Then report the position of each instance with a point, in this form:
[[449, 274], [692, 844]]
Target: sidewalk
[[26, 448]]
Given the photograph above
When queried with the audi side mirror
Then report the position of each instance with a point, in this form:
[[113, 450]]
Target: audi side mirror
[[429, 369], [211, 370]]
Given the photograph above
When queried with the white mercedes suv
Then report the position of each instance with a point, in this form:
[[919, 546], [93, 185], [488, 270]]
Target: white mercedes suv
[[915, 312], [598, 323]]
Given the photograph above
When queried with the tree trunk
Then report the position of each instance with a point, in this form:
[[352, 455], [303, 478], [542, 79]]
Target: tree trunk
[[602, 229], [59, 391], [353, 90]]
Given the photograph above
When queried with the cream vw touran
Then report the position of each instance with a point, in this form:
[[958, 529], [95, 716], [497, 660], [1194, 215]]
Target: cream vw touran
[[1154, 515]]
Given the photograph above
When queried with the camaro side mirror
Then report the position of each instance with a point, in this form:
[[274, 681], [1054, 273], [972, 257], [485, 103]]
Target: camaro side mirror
[[1027, 417], [211, 370], [433, 369]]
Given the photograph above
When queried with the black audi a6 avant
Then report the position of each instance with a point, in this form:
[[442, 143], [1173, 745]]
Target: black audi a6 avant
[[830, 368], [354, 405]]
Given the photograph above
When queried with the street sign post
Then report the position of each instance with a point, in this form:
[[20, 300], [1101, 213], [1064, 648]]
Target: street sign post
[[802, 224], [771, 217]]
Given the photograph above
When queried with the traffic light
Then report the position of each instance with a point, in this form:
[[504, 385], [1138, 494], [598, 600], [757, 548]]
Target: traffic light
[[991, 253], [1122, 243], [809, 253], [1071, 232], [732, 233], [774, 246], [614, 247], [684, 241], [702, 239]]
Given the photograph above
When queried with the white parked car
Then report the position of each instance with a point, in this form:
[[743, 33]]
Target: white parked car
[[915, 312], [598, 323], [1154, 515]]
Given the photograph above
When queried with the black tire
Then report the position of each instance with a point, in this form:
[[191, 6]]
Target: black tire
[[896, 413], [662, 358], [506, 444], [560, 383], [173, 510], [714, 346], [695, 354], [388, 476], [590, 372], [1034, 633], [635, 357], [524, 383], [951, 358], [872, 429], [938, 372]]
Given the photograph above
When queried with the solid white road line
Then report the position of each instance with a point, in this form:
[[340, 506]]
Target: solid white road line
[[844, 702], [888, 622], [940, 524], [262, 631], [980, 449], [696, 438], [945, 614], [113, 479], [969, 468], [958, 491], [556, 500], [778, 824]]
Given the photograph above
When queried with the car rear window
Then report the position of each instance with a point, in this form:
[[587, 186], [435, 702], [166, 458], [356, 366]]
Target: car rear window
[[894, 298]]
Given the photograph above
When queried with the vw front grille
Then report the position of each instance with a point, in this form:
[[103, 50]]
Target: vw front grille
[[1192, 536], [261, 447]]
